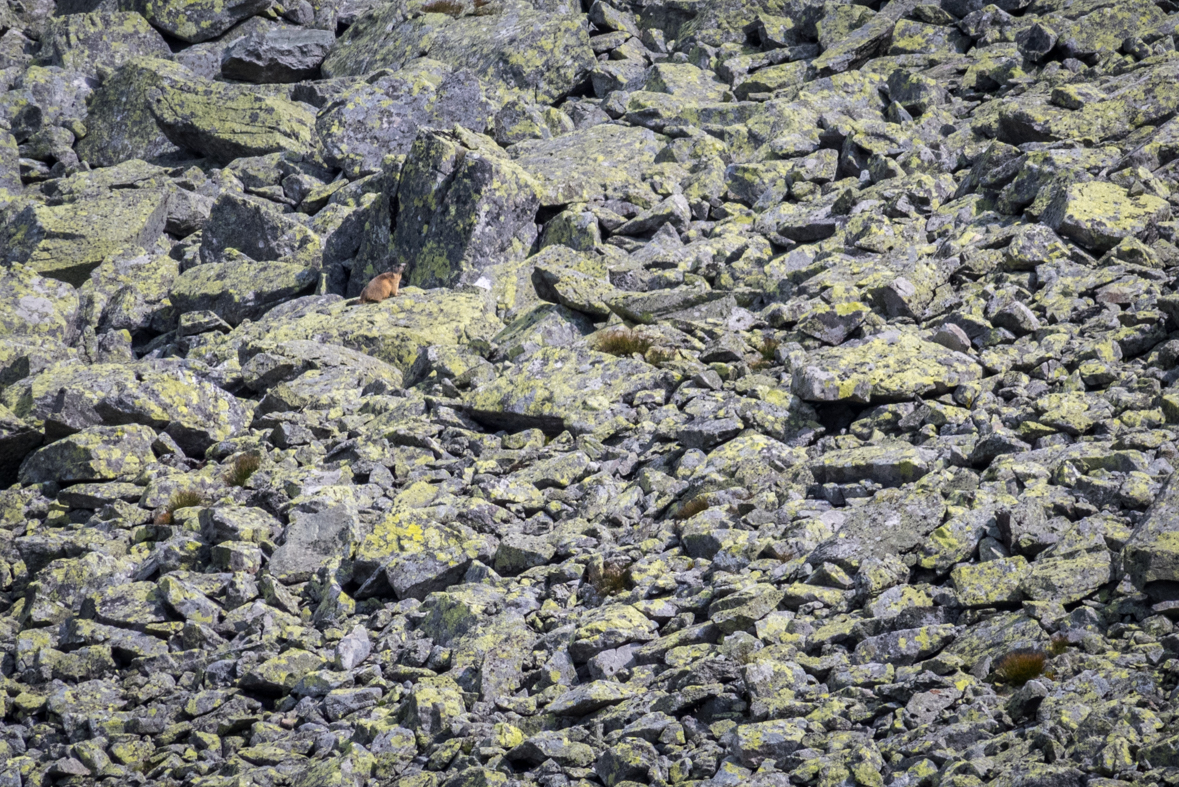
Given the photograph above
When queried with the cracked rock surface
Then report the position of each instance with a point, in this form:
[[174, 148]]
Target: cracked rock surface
[[779, 392]]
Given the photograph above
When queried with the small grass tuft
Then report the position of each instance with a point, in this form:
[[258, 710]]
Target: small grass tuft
[[693, 507], [623, 342], [448, 7], [242, 468], [609, 577], [1058, 645], [768, 350], [182, 498], [1020, 666], [485, 8]]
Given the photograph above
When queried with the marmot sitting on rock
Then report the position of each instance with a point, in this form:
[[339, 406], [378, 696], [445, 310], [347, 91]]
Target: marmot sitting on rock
[[381, 287]]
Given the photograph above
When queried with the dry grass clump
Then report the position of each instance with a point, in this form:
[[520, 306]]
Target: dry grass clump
[[449, 7], [768, 350], [1020, 666], [608, 576], [183, 498], [484, 8], [1058, 645], [623, 342], [242, 468], [693, 507]]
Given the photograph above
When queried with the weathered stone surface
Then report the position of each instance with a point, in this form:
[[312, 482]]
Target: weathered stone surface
[[276, 55], [88, 42], [67, 242], [99, 453], [541, 54], [891, 366], [379, 118]]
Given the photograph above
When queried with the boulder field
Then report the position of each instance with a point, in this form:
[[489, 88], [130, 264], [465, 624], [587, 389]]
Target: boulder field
[[779, 392]]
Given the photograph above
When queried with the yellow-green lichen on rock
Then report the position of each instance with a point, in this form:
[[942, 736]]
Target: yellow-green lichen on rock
[[888, 366]]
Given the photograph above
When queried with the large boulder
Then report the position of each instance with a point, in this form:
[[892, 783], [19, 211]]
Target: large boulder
[[599, 162], [889, 366], [382, 117], [520, 49], [464, 206], [195, 20], [284, 54], [99, 453], [243, 290], [67, 242], [120, 125], [226, 122], [99, 40], [68, 397], [557, 389], [1151, 556], [393, 331], [1099, 215], [36, 308]]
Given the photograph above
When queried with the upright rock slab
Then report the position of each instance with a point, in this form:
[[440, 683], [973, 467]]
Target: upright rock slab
[[463, 206]]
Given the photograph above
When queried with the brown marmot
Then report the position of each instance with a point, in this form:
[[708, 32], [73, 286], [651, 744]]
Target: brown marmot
[[382, 287]]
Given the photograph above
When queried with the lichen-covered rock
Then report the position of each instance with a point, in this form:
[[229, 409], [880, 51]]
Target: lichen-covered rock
[[195, 20], [463, 206], [67, 242], [99, 453], [393, 331], [541, 54], [557, 389], [99, 40], [602, 161], [1099, 215], [378, 118], [120, 125], [36, 308], [224, 123], [237, 291], [894, 365], [319, 531], [70, 396]]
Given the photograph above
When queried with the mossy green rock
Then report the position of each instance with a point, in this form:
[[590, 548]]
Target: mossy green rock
[[67, 242], [237, 291], [463, 206], [102, 39], [163, 396], [17, 440], [227, 122], [890, 366], [394, 331], [557, 389], [1099, 215], [35, 307], [100, 453], [195, 20], [380, 118], [120, 125], [543, 55]]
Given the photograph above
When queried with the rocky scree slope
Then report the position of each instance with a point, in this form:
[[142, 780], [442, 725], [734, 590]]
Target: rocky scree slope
[[781, 392]]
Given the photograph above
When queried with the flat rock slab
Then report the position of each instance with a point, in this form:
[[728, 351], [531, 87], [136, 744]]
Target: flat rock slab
[[889, 366], [557, 389], [67, 242]]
